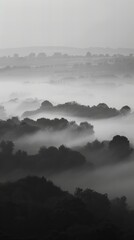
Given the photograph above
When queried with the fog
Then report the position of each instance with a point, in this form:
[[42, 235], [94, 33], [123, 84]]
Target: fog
[[114, 92], [116, 180], [19, 95], [67, 119], [55, 23], [33, 142], [106, 129]]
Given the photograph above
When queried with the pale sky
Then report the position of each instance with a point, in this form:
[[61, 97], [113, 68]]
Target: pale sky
[[76, 23]]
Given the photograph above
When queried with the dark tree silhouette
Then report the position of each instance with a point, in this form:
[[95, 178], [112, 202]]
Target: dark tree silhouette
[[34, 208], [120, 146], [125, 110]]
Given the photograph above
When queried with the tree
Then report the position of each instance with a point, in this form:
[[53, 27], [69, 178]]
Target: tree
[[120, 146], [125, 110]]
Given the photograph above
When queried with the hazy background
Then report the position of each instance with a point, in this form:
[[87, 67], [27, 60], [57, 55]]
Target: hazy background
[[75, 23]]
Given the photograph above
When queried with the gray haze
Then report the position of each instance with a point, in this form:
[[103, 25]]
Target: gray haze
[[24, 94], [80, 24], [76, 23]]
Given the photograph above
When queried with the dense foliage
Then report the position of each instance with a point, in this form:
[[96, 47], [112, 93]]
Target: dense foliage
[[34, 208]]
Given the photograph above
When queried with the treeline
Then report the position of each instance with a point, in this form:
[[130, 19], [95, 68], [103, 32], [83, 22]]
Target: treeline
[[34, 208], [102, 65], [14, 128], [41, 60], [77, 110], [99, 153], [53, 160], [48, 160]]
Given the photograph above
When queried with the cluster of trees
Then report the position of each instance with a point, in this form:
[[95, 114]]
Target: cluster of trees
[[54, 160], [120, 145], [14, 128], [92, 63], [107, 67], [107, 152], [77, 110], [47, 160], [97, 66], [34, 208]]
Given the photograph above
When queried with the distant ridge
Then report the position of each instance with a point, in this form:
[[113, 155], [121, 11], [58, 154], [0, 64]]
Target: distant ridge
[[49, 50]]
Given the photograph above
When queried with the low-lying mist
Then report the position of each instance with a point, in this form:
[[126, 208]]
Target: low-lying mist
[[103, 166], [30, 135], [33, 142], [25, 94], [106, 129], [115, 92], [116, 180], [21, 94]]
